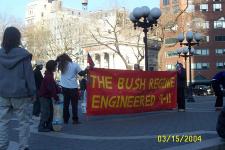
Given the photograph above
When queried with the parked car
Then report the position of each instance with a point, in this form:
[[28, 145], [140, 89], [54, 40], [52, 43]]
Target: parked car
[[202, 90]]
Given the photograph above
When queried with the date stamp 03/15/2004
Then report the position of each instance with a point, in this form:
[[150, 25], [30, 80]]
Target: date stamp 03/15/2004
[[178, 138]]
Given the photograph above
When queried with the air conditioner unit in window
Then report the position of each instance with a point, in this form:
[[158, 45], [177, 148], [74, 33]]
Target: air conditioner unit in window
[[219, 26], [204, 10], [217, 9]]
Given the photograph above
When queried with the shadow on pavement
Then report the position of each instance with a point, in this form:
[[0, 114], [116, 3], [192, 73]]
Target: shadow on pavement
[[219, 147]]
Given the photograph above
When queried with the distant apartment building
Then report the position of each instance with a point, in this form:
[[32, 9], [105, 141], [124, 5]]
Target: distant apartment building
[[209, 19], [86, 23]]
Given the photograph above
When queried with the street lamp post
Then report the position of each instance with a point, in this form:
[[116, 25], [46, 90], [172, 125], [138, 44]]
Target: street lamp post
[[183, 52], [188, 53], [145, 18]]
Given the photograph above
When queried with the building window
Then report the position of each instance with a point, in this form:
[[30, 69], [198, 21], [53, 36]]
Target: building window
[[170, 67], [217, 7], [201, 52], [191, 8], [176, 9], [203, 7], [203, 25], [219, 23], [205, 38], [30, 11], [165, 10], [98, 60], [42, 14], [175, 1], [169, 41], [171, 54], [220, 51], [220, 38], [220, 65], [166, 2], [200, 66]]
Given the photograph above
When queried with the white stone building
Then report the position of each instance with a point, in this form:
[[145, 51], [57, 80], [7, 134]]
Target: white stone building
[[49, 12]]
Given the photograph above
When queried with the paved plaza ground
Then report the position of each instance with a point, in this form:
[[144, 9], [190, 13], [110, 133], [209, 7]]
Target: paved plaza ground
[[134, 132]]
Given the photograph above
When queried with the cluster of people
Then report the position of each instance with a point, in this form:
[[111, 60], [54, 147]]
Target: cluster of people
[[21, 86], [48, 91]]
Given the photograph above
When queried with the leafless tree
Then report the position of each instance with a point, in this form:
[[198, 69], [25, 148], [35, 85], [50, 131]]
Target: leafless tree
[[61, 35], [114, 35], [37, 40], [6, 21]]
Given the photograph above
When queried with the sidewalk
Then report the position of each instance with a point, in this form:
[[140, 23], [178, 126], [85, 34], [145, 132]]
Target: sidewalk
[[135, 131]]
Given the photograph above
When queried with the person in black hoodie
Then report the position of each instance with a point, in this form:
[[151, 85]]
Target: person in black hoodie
[[217, 81], [17, 87], [38, 79]]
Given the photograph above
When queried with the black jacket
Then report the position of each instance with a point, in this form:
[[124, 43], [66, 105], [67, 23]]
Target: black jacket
[[38, 78]]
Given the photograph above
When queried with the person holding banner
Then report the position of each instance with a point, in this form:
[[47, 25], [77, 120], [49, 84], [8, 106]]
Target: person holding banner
[[69, 71], [181, 84]]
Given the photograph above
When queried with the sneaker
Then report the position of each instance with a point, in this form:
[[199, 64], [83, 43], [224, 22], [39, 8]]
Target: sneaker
[[219, 108], [26, 148], [44, 130]]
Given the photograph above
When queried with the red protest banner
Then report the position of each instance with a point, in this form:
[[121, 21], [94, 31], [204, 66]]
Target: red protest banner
[[112, 91]]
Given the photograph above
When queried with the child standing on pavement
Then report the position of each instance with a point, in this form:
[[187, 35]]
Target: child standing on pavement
[[48, 92]]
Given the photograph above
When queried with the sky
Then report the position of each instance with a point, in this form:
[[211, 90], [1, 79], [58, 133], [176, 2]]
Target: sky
[[16, 8]]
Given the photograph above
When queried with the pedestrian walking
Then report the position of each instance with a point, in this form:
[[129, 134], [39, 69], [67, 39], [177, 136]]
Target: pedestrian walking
[[217, 81], [48, 93], [17, 87], [69, 71], [181, 84], [38, 79]]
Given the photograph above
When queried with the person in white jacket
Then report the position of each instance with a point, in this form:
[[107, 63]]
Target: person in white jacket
[[69, 71]]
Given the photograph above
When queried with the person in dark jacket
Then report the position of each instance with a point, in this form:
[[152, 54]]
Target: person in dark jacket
[[83, 82], [181, 84], [38, 79], [48, 92], [17, 87], [217, 81]]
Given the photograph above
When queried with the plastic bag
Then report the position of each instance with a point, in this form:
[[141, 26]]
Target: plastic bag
[[57, 122]]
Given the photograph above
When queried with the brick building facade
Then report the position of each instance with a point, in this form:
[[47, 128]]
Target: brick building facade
[[208, 58]]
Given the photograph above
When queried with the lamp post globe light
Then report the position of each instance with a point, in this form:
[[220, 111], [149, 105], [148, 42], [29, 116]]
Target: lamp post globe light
[[145, 18], [192, 39], [184, 52]]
